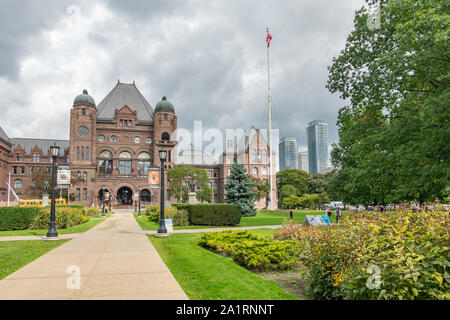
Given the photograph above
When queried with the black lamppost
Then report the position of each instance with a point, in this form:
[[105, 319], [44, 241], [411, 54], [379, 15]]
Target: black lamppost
[[139, 190], [52, 233], [103, 202], [162, 225]]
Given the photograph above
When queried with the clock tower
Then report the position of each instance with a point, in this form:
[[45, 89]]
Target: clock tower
[[82, 144]]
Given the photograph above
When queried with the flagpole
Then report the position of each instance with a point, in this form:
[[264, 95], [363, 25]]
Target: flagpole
[[270, 125]]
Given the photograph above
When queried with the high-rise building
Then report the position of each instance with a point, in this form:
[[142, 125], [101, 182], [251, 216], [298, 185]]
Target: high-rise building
[[288, 153], [317, 136], [303, 161]]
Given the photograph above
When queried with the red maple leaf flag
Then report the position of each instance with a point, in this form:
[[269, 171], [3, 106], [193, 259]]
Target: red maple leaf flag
[[269, 37]]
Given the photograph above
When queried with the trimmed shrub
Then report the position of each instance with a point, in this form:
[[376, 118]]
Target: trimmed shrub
[[252, 251], [92, 212], [79, 206], [179, 217], [65, 218], [217, 214], [17, 218]]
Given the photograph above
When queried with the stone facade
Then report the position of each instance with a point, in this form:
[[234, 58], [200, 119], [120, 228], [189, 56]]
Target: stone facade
[[112, 146]]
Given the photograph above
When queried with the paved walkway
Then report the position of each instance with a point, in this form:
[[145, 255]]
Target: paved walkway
[[116, 261]]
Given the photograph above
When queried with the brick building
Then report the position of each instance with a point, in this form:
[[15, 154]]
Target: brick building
[[113, 145]]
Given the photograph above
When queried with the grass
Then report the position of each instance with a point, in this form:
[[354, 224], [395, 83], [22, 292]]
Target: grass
[[16, 254], [204, 275], [76, 229], [263, 218]]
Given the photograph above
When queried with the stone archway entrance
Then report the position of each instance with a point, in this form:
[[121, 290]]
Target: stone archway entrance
[[125, 196]]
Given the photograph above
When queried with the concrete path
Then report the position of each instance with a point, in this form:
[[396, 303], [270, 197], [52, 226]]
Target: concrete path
[[116, 261]]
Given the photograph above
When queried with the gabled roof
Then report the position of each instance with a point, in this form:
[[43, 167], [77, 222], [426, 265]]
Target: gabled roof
[[43, 144], [125, 94], [4, 136], [194, 156]]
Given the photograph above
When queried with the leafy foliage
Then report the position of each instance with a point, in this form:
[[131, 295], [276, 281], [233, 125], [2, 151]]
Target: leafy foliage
[[17, 218], [240, 190], [64, 218], [393, 142], [252, 251], [217, 214], [184, 179], [179, 217], [411, 251]]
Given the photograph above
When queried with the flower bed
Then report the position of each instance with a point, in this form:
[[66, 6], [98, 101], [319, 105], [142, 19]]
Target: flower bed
[[391, 255]]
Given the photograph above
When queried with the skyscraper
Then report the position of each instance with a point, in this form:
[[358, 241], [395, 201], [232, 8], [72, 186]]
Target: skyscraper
[[288, 153], [317, 136], [303, 161]]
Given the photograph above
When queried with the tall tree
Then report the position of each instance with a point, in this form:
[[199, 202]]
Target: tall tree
[[240, 189], [262, 188], [184, 179], [395, 76]]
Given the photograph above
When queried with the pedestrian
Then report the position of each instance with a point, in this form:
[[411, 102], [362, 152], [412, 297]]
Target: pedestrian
[[328, 212], [338, 214]]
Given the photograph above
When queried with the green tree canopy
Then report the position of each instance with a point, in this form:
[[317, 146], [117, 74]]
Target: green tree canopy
[[240, 189], [393, 134], [184, 179], [297, 179]]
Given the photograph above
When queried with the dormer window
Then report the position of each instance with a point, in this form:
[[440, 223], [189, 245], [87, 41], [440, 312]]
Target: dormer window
[[36, 157], [121, 123], [126, 123], [129, 123]]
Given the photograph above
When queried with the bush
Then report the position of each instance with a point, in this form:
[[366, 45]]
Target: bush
[[151, 209], [17, 218], [92, 212], [179, 217], [218, 214], [252, 251], [79, 206], [409, 251], [65, 218]]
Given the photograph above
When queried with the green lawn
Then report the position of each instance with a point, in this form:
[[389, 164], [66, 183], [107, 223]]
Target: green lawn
[[263, 218], [204, 275], [16, 254], [76, 229]]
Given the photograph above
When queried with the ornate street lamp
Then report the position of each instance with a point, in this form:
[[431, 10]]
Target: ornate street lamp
[[139, 190], [103, 202], [52, 233], [162, 225]]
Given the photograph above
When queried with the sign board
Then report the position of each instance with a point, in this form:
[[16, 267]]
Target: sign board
[[153, 177], [169, 225], [63, 177], [316, 221]]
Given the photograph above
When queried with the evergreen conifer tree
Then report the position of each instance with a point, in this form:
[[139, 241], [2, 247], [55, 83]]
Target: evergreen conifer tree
[[240, 190]]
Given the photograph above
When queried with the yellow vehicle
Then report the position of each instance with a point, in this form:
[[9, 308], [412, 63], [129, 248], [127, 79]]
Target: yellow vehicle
[[38, 202]]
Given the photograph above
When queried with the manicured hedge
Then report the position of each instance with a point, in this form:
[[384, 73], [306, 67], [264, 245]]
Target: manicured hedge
[[17, 218], [217, 214]]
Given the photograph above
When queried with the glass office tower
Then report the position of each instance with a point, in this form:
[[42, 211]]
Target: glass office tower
[[288, 153], [317, 136]]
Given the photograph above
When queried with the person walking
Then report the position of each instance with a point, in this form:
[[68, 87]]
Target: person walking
[[328, 212], [338, 214]]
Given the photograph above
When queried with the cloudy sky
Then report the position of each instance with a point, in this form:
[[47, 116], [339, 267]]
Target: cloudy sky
[[208, 57]]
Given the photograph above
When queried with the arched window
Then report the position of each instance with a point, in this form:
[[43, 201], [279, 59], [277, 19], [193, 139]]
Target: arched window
[[106, 163], [125, 155], [264, 171], [215, 185], [144, 156], [255, 171], [18, 184], [125, 165], [106, 154], [165, 136], [143, 163], [78, 153]]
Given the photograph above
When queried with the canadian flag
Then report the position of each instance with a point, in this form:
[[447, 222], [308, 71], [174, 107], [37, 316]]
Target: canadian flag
[[269, 37], [132, 169]]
